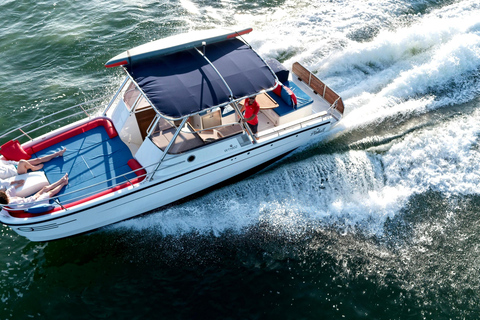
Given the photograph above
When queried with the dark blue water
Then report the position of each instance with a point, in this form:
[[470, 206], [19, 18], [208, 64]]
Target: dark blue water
[[377, 221]]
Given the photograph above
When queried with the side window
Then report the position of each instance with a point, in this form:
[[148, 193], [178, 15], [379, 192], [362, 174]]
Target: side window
[[131, 95]]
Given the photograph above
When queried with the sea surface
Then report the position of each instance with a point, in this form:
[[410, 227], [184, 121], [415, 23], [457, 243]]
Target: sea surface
[[379, 220]]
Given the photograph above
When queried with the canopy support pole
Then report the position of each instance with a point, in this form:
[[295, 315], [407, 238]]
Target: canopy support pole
[[231, 94], [115, 96], [247, 127], [184, 120], [219, 74]]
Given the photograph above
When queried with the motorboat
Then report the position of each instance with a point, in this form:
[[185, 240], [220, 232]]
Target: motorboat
[[173, 128]]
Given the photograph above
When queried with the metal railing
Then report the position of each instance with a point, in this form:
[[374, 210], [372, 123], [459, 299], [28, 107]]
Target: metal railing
[[115, 96], [28, 129], [83, 193], [301, 123]]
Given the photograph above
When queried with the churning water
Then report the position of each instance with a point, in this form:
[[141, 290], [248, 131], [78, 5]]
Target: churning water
[[379, 220]]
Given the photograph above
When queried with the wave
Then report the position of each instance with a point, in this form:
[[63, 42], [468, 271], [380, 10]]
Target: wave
[[296, 195], [430, 63], [407, 66], [443, 158]]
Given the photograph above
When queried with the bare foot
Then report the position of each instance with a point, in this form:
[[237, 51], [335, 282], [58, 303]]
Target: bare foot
[[61, 152]]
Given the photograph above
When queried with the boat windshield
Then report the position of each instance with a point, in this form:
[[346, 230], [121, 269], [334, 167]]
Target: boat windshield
[[165, 131]]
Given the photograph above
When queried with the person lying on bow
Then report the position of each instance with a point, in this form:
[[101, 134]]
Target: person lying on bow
[[9, 168], [10, 195]]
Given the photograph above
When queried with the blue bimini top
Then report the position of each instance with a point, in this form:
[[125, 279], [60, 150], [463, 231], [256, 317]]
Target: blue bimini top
[[185, 83]]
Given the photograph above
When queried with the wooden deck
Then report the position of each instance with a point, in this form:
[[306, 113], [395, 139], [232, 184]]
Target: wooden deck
[[318, 86]]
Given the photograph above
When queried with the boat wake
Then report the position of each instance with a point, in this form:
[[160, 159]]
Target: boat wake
[[391, 69], [287, 197], [429, 63]]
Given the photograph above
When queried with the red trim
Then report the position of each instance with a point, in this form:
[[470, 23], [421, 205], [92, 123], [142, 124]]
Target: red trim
[[116, 64], [108, 125], [132, 163], [135, 165], [278, 91], [240, 33], [28, 151]]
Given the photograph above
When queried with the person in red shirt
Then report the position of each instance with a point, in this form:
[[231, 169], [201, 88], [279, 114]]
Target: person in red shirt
[[251, 109]]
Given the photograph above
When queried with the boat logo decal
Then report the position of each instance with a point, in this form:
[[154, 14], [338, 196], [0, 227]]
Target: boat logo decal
[[317, 131], [232, 147]]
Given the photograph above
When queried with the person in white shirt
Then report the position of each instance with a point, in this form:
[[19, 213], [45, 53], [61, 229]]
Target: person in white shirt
[[9, 168], [4, 184], [10, 195]]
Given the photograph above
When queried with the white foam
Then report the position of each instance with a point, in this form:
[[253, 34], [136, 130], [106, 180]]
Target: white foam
[[346, 187], [190, 6], [443, 158], [410, 65]]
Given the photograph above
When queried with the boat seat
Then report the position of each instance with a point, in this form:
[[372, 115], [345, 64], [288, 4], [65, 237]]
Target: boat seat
[[284, 105], [185, 140]]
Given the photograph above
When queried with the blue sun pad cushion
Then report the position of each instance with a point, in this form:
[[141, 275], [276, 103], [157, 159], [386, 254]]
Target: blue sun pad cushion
[[91, 158], [285, 107]]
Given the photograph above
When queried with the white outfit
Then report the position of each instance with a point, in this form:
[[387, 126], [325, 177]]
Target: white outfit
[[4, 184], [8, 169], [24, 203]]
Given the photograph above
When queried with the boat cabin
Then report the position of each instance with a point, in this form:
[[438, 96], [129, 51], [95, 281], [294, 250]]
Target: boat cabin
[[186, 99]]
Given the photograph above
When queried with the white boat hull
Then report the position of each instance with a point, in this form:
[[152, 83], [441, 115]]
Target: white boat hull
[[133, 201], [165, 135]]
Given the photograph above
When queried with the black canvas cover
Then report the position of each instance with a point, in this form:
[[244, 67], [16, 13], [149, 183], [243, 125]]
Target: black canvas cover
[[184, 83], [279, 69]]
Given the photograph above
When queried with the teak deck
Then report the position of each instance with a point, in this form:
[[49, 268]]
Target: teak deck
[[318, 86]]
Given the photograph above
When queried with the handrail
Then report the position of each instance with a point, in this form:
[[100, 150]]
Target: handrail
[[81, 195], [277, 130], [123, 175], [50, 123], [28, 132]]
